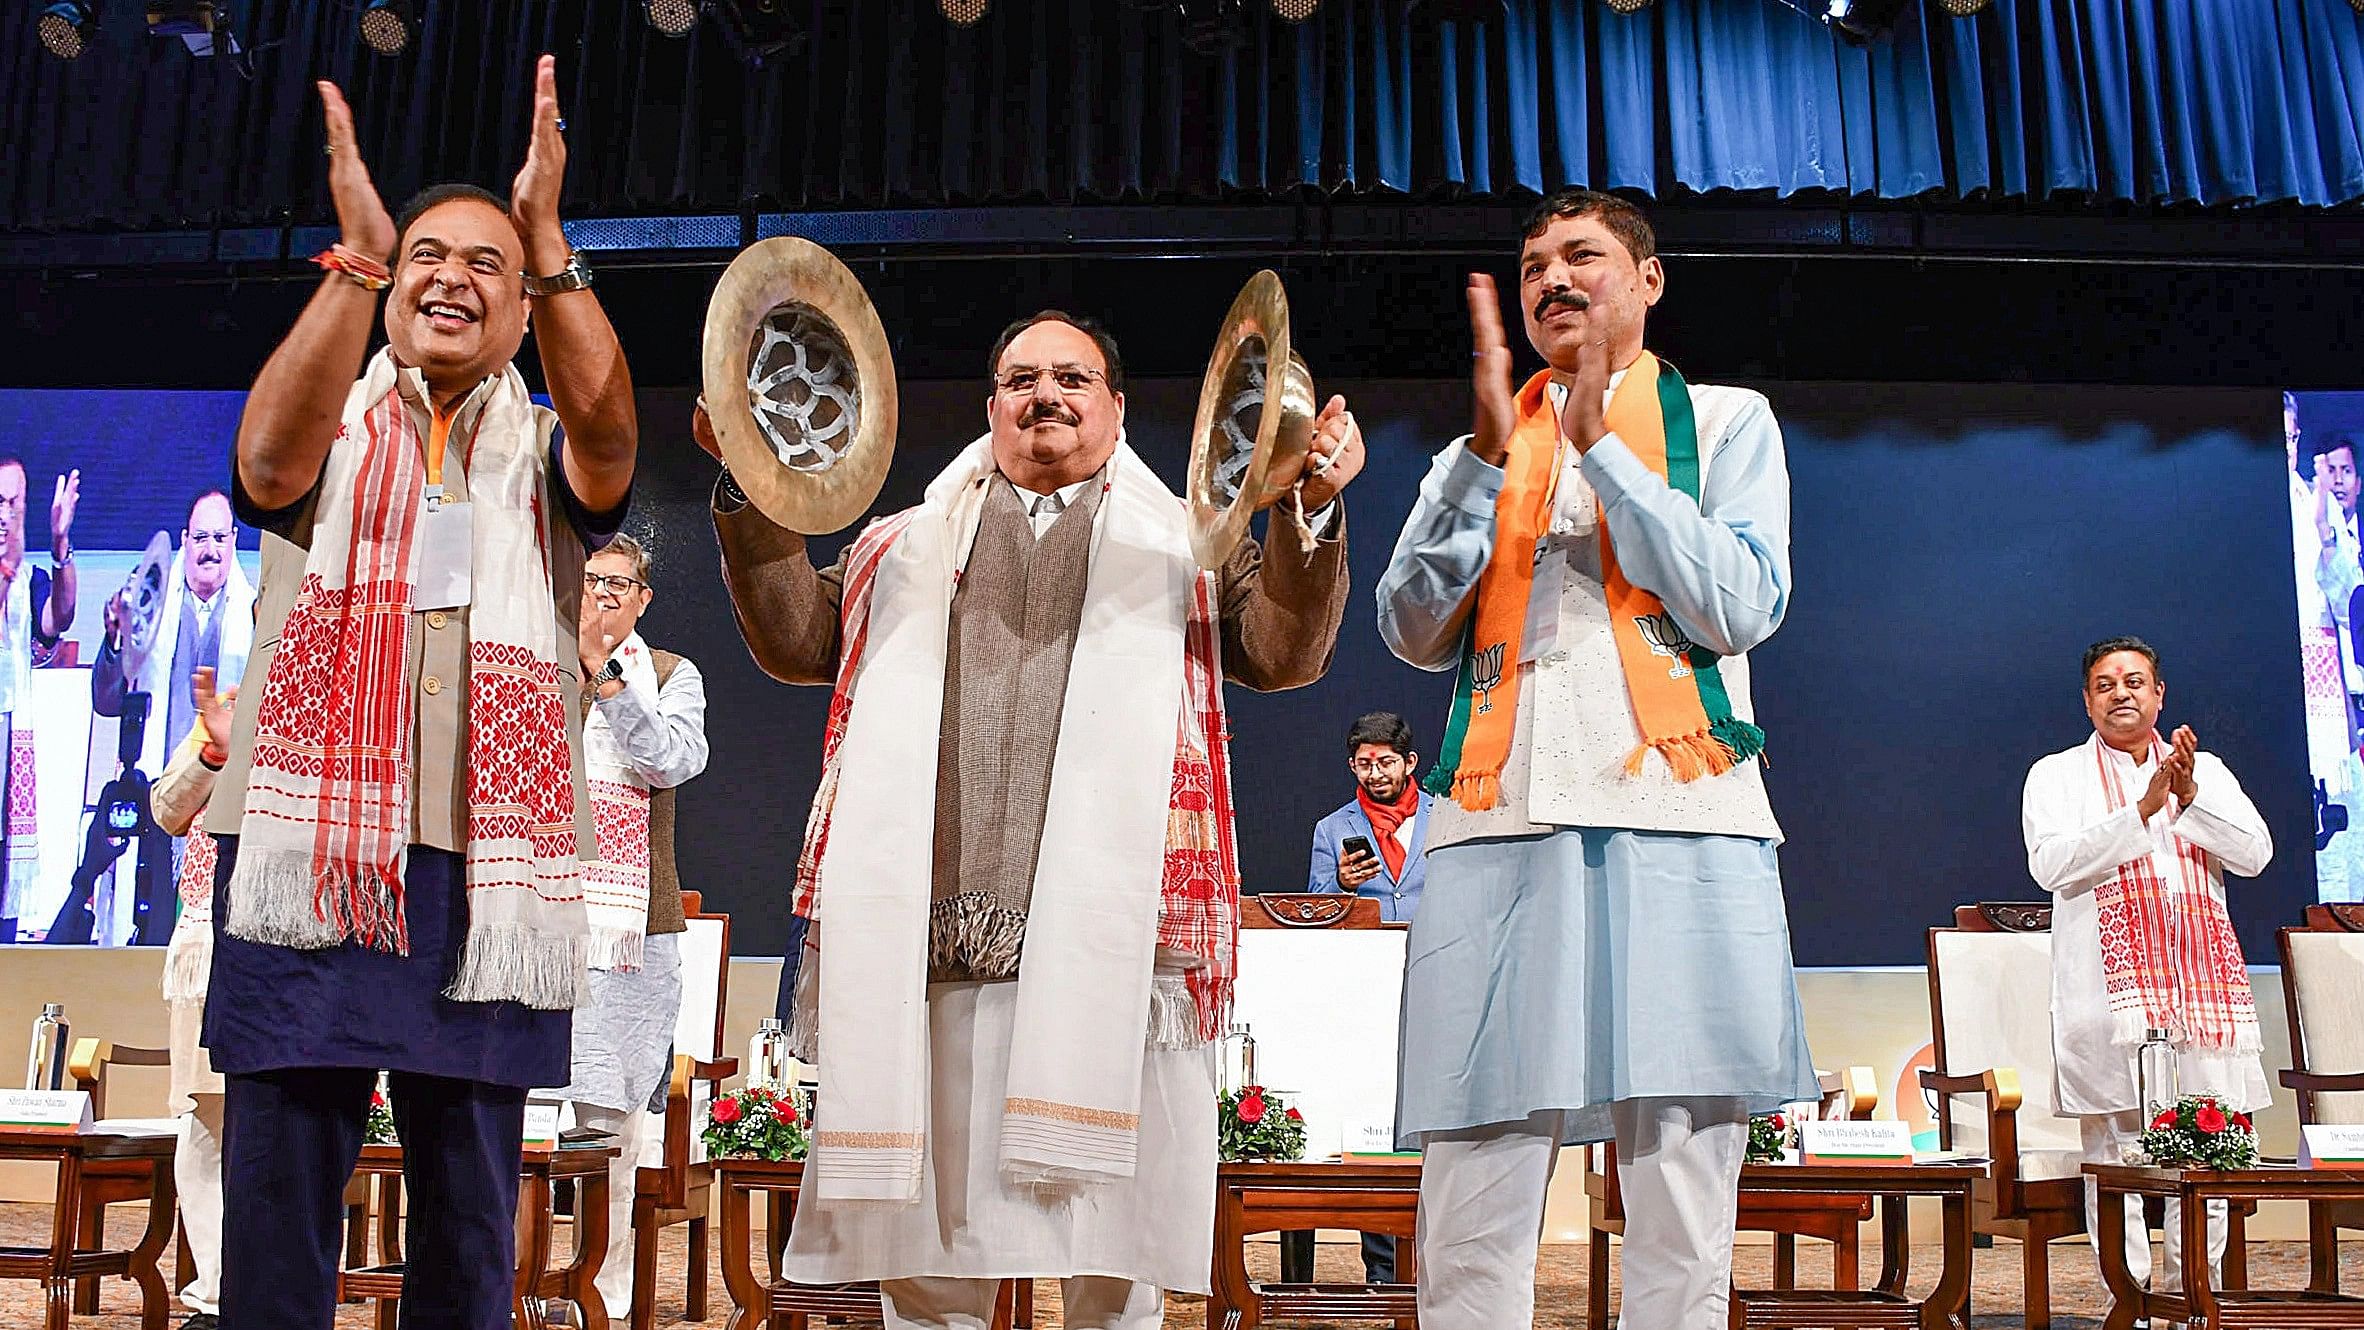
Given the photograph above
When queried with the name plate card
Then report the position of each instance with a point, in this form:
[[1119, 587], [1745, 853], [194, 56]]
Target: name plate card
[[541, 1126], [1846, 1142], [2328, 1146], [1367, 1137], [65, 1112]]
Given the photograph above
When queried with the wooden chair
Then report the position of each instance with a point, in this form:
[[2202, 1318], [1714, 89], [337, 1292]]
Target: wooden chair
[[1853, 1094], [108, 1182], [113, 1181], [676, 1181], [2323, 988], [1990, 1016]]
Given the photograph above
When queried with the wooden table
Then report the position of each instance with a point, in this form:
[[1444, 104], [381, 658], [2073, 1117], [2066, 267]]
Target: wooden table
[[536, 1282], [773, 1301], [61, 1263], [1370, 1195], [2198, 1303], [1886, 1303]]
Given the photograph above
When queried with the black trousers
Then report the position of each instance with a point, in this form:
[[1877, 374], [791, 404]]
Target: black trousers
[[1296, 1253], [290, 1141]]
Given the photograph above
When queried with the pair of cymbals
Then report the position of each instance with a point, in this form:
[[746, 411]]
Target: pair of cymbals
[[800, 387]]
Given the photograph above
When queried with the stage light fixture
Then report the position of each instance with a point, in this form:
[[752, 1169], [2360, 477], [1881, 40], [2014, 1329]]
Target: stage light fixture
[[2357, 5], [68, 26], [386, 26], [963, 13], [1966, 8], [1295, 11], [1861, 21], [674, 18], [1626, 6]]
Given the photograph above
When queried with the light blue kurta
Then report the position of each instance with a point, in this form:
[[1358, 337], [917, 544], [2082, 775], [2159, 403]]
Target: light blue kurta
[[1572, 967]]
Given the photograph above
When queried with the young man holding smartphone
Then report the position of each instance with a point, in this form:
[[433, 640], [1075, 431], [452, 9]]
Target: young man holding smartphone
[[1376, 844]]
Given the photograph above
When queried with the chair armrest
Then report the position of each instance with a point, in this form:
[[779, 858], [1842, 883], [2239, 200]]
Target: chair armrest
[[2316, 1082], [720, 1069], [2000, 1087], [1860, 1093]]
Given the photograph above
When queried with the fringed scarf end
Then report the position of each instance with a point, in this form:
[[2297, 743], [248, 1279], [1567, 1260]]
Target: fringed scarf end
[[617, 949], [1739, 738], [188, 965], [1477, 791], [277, 898], [973, 936], [512, 962], [1174, 1022]]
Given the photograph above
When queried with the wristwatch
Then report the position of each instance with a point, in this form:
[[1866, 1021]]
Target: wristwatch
[[604, 675], [573, 277]]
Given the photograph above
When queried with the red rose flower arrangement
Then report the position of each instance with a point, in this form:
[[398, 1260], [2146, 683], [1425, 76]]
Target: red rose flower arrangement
[[2199, 1133], [760, 1122], [1254, 1123]]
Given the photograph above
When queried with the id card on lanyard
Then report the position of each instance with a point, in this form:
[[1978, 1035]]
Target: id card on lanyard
[[446, 546]]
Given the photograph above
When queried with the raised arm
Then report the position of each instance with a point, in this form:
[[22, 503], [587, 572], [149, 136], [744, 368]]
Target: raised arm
[[787, 609], [582, 362], [293, 410], [58, 615]]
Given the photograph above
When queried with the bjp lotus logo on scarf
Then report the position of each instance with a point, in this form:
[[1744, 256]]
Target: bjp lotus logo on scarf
[[1485, 672], [1666, 640]]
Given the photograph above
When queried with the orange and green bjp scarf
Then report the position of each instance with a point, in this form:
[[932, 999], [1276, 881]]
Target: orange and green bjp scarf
[[1678, 698]]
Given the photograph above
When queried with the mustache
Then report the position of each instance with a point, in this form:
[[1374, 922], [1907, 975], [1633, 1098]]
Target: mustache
[[1042, 411], [1575, 300]]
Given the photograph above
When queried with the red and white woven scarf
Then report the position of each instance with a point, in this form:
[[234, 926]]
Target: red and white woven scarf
[[326, 833], [2169, 958]]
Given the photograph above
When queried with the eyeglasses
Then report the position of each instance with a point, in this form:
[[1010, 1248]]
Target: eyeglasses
[[614, 584], [1364, 766], [211, 537], [1071, 379]]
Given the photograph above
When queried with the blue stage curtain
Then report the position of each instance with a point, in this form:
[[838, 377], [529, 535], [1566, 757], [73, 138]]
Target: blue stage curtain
[[2210, 102]]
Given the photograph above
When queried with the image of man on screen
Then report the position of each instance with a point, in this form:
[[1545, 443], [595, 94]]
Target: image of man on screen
[[2331, 578], [206, 621], [36, 609]]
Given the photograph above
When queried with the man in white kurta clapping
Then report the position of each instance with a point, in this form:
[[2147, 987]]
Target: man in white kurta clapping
[[2133, 834]]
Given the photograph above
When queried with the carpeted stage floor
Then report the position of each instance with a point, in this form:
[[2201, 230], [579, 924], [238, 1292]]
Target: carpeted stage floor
[[2076, 1297]]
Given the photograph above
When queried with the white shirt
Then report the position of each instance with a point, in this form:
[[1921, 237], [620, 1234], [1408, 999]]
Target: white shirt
[[663, 738], [2075, 842]]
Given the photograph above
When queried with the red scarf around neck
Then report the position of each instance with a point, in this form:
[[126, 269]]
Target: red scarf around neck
[[1385, 818]]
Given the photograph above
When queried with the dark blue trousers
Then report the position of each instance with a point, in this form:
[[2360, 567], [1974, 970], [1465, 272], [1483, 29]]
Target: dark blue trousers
[[290, 1140]]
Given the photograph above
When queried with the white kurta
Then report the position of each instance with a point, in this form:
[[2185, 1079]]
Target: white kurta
[[972, 1222], [2075, 842]]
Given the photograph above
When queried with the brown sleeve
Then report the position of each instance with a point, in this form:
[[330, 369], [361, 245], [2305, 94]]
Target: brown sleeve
[[787, 609], [1282, 607]]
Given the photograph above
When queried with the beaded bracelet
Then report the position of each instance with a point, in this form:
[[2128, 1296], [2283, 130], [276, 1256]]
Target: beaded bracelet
[[362, 271]]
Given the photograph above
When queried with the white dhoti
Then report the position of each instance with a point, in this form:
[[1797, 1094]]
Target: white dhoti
[[970, 1223], [2105, 1138], [197, 1161], [632, 1128], [1481, 1214], [197, 1180]]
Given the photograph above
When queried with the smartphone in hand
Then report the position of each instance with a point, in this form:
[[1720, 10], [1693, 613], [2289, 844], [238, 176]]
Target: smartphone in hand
[[1355, 845]]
